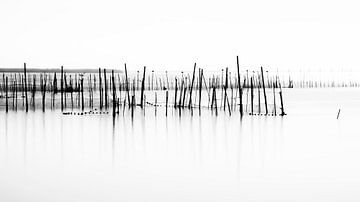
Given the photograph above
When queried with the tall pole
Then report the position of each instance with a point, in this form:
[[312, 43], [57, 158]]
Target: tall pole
[[26, 96]]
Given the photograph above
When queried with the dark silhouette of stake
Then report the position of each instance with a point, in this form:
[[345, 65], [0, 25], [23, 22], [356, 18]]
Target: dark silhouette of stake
[[200, 89], [166, 105], [127, 85], [100, 89], [192, 85], [13, 92], [25, 86], [132, 106], [252, 95], [176, 89], [55, 83], [274, 100], [263, 83], [82, 93], [281, 101], [62, 87], [65, 90], [155, 103], [33, 91], [225, 87], [215, 100], [71, 92], [114, 91], [181, 92], [43, 89], [16, 92], [6, 94], [142, 89], [239, 85], [106, 90]]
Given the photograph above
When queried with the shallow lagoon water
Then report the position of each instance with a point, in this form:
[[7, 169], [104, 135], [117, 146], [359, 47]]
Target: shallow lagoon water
[[307, 155]]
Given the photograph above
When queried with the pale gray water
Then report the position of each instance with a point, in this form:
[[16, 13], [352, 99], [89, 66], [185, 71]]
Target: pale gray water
[[307, 155]]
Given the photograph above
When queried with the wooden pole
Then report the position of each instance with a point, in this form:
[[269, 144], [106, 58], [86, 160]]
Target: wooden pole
[[200, 89], [192, 84], [16, 92], [106, 89], [167, 99], [263, 83], [225, 87], [127, 85], [252, 95], [25, 86], [114, 91], [82, 93], [281, 101], [142, 88], [100, 90], [6, 94], [62, 87], [274, 100], [239, 85], [176, 89]]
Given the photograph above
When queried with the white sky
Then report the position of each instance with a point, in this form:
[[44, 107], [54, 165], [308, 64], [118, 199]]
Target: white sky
[[309, 34]]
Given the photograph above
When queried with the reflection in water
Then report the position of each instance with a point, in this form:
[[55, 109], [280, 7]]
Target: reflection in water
[[178, 158]]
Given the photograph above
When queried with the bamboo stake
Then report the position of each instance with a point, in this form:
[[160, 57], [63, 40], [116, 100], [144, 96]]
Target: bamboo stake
[[142, 88], [62, 87], [100, 90], [114, 91], [263, 83], [239, 85], [127, 85], [25, 83], [6, 94], [191, 88]]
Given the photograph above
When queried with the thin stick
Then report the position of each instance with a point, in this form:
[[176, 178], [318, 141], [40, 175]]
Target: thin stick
[[25, 83], [114, 91], [142, 89], [239, 85], [263, 82], [6, 94], [192, 84], [167, 98], [127, 85]]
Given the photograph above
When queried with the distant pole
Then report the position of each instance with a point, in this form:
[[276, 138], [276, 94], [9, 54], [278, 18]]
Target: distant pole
[[16, 92], [127, 85], [105, 86], [239, 85], [274, 99], [114, 90], [142, 89], [6, 93], [82, 93], [225, 87], [26, 96], [252, 95], [100, 89], [167, 99], [192, 85], [176, 88], [200, 89], [263, 83], [281, 101], [62, 87]]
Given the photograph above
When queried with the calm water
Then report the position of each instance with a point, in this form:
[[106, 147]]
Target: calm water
[[307, 155]]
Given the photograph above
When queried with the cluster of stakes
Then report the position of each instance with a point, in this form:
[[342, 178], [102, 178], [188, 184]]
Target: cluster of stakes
[[108, 91]]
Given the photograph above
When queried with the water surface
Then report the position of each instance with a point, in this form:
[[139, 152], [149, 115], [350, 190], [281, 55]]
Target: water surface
[[308, 155]]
